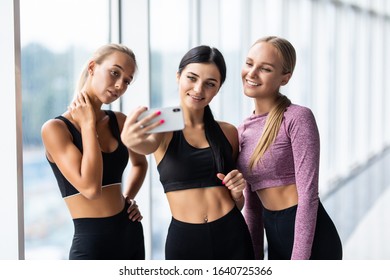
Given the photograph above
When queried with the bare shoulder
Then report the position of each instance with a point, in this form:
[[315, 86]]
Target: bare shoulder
[[55, 136], [53, 127]]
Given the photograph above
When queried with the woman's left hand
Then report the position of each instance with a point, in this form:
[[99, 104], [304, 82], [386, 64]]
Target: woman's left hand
[[235, 182], [133, 210]]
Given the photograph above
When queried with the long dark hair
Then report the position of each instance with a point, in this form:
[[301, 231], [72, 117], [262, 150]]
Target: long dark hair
[[214, 134]]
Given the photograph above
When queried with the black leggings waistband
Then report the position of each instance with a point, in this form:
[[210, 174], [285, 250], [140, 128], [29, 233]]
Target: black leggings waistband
[[273, 214], [101, 225]]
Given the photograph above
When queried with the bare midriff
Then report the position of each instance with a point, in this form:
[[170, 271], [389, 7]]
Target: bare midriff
[[278, 198], [110, 202], [200, 205]]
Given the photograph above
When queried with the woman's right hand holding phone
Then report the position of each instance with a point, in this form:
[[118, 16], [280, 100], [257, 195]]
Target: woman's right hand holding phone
[[135, 131]]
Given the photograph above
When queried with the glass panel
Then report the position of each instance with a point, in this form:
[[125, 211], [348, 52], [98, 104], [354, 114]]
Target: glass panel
[[362, 97], [377, 85], [169, 40], [378, 6], [299, 24], [54, 48], [224, 26], [258, 22], [341, 100], [273, 17], [387, 7], [323, 22], [386, 61]]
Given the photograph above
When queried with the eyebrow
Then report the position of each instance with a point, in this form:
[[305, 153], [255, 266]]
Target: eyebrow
[[210, 79], [270, 64], [267, 63]]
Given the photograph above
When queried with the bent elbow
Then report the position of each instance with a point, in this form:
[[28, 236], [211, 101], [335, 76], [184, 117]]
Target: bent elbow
[[93, 193]]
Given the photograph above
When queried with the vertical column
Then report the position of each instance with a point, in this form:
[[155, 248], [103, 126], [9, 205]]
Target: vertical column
[[11, 187]]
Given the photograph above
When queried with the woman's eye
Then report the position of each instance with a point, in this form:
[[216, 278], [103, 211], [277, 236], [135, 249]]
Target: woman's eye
[[265, 69], [210, 85], [114, 73], [191, 78]]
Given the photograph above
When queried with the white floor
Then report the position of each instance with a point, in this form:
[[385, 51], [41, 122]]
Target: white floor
[[371, 239]]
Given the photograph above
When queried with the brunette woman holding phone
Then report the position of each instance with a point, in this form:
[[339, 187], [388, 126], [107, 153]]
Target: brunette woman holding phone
[[197, 166]]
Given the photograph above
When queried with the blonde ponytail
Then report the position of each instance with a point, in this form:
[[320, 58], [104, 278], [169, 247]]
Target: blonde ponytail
[[271, 129], [275, 116], [81, 81]]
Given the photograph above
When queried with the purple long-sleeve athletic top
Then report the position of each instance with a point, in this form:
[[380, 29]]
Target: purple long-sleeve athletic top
[[292, 159]]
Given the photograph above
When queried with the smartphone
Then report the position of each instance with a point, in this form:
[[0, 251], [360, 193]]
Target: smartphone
[[172, 116]]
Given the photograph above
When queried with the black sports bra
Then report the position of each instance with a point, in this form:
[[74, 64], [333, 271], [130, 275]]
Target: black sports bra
[[114, 163], [186, 167]]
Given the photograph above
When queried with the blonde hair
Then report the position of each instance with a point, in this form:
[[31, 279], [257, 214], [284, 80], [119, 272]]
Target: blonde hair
[[275, 116], [99, 56]]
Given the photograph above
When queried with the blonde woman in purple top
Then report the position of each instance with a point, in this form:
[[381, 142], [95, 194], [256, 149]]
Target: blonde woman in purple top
[[279, 157]]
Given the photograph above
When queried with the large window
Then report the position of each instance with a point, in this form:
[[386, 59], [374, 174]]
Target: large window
[[170, 22], [56, 39]]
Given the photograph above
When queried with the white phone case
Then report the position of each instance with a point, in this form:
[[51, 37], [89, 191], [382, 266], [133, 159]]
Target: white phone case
[[172, 116]]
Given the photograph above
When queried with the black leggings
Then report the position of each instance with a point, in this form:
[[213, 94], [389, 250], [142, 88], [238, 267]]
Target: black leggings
[[227, 238], [279, 227], [111, 238]]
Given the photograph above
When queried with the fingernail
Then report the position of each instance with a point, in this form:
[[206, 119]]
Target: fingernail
[[223, 183], [162, 121], [158, 113]]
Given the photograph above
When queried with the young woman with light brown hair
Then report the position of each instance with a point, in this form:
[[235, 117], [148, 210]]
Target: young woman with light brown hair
[[279, 157], [88, 158]]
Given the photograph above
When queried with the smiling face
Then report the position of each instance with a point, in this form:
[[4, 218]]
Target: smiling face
[[198, 84], [109, 79], [262, 74]]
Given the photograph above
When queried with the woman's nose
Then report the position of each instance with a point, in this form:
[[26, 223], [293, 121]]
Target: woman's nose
[[198, 87]]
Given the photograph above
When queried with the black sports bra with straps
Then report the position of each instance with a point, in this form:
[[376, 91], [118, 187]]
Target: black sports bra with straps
[[114, 163], [186, 167]]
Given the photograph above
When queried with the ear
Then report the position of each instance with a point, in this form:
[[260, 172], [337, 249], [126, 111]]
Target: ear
[[91, 67], [177, 77], [285, 79]]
